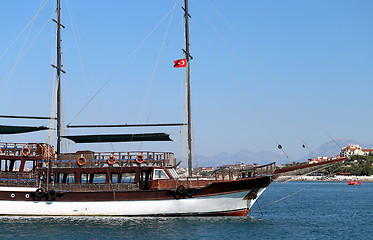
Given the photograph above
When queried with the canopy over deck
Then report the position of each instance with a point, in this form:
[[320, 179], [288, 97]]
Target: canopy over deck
[[120, 138], [4, 129]]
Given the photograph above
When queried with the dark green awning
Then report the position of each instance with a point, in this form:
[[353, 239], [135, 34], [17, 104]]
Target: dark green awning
[[19, 129], [120, 138]]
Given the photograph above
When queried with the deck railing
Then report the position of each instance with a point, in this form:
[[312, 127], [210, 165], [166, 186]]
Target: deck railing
[[89, 187], [257, 171], [20, 179], [104, 159], [263, 170], [42, 150], [187, 183]]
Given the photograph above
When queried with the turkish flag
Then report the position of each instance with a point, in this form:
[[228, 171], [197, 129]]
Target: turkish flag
[[180, 63]]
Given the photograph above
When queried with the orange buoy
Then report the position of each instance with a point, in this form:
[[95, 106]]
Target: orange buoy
[[111, 160], [81, 161], [26, 151], [140, 158]]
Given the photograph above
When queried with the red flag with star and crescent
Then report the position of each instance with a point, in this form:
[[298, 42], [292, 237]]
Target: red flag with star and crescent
[[180, 63]]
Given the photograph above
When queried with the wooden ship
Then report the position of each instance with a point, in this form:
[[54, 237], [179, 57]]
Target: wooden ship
[[135, 183]]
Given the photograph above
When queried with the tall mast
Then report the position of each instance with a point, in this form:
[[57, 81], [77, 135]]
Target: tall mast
[[188, 101], [59, 103]]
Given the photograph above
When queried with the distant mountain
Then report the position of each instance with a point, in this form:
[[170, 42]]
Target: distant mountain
[[244, 156], [331, 149]]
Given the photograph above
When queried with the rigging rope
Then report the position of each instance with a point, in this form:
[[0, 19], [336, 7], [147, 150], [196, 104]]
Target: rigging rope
[[15, 96], [159, 74], [121, 66], [252, 77], [76, 36], [20, 58], [290, 195], [228, 72], [153, 74], [328, 165], [304, 109], [53, 95], [24, 29], [304, 174]]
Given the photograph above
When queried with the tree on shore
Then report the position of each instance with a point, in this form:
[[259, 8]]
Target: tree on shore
[[358, 165]]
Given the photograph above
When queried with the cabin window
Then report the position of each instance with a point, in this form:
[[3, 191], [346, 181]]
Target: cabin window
[[122, 177], [128, 177], [160, 174], [63, 178], [115, 178], [98, 178], [84, 178], [70, 178], [11, 165]]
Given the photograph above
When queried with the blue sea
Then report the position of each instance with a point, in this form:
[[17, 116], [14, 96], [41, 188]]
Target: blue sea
[[308, 210]]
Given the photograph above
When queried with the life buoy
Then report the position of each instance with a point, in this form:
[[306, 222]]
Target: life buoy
[[52, 194], [111, 160], [140, 158], [26, 151], [179, 192], [39, 192], [180, 189], [81, 161]]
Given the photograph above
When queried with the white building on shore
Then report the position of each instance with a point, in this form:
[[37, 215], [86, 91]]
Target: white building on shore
[[354, 149]]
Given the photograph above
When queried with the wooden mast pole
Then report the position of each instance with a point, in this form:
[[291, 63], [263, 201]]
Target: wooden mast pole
[[188, 95], [59, 103]]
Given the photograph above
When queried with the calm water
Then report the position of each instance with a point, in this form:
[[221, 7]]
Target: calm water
[[323, 210]]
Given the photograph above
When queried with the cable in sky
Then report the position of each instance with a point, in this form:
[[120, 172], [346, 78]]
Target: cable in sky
[[121, 66]]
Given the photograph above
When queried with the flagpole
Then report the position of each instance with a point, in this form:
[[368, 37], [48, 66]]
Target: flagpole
[[188, 95]]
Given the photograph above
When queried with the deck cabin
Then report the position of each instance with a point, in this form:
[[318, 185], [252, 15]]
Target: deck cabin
[[36, 165]]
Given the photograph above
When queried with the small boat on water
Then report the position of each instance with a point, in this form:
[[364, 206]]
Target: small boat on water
[[354, 182], [121, 183]]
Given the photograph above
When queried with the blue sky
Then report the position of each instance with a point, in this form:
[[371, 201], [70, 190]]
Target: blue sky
[[305, 66]]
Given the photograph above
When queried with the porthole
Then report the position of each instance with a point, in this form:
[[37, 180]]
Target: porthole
[[27, 195], [12, 195]]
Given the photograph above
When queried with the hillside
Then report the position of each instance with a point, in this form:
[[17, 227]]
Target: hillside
[[331, 149], [243, 155], [249, 157]]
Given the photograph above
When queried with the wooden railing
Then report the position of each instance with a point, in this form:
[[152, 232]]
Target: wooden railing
[[263, 170], [91, 187], [19, 179], [187, 183], [92, 159], [257, 171], [42, 150]]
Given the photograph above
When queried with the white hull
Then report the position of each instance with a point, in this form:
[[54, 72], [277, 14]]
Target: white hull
[[189, 206]]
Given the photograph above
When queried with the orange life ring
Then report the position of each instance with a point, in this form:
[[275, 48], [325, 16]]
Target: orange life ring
[[142, 158], [26, 151], [81, 163], [111, 160]]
